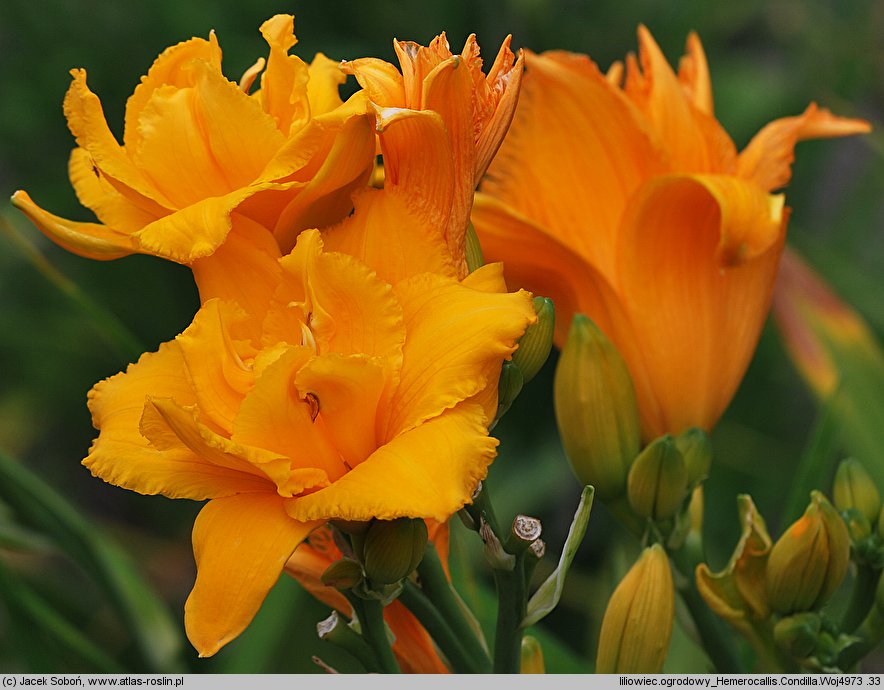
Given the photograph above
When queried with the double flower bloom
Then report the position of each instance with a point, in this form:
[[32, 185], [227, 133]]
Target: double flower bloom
[[344, 361]]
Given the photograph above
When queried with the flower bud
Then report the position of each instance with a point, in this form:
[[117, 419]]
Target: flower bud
[[532, 656], [808, 563], [658, 480], [596, 409], [797, 635], [393, 549], [854, 488], [344, 573], [696, 449], [508, 387], [638, 621], [535, 345]]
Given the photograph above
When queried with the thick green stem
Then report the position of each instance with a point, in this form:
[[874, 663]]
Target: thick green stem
[[371, 620], [435, 585], [454, 648], [861, 599], [511, 603], [713, 634]]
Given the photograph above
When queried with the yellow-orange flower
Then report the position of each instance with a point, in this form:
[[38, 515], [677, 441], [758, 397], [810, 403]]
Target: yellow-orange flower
[[324, 393], [201, 155], [439, 123], [413, 647], [624, 199]]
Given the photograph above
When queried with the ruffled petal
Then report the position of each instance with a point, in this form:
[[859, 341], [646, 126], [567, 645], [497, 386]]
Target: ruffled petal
[[326, 198], [168, 68], [390, 236], [221, 132], [275, 417], [347, 390], [430, 472], [215, 361], [245, 269], [240, 544], [121, 455], [87, 123], [697, 261], [578, 192], [195, 231], [382, 81], [767, 160], [96, 193], [323, 88], [283, 91], [693, 74], [456, 337], [89, 240]]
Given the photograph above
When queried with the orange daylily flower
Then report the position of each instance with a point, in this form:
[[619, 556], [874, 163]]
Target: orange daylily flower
[[413, 646], [201, 157], [624, 199], [439, 124], [325, 393]]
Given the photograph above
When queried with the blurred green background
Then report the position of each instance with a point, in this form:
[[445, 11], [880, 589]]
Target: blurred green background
[[69, 602]]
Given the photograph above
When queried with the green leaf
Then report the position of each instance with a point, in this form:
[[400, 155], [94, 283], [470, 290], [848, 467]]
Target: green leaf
[[547, 596], [30, 611], [156, 636]]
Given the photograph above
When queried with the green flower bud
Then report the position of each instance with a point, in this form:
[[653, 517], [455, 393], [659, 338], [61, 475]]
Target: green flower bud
[[637, 625], [696, 449], [658, 480], [854, 488], [809, 562], [797, 635], [343, 574], [535, 345], [596, 409], [393, 549], [508, 387]]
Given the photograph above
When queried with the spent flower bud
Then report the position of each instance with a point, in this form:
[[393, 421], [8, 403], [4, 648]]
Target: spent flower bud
[[343, 574], [596, 409]]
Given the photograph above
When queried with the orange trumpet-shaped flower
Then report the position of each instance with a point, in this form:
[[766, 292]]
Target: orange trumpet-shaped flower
[[413, 647], [325, 393], [624, 199], [439, 123], [201, 155]]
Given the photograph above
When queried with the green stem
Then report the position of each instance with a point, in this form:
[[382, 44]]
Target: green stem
[[861, 599], [452, 647], [511, 603], [870, 634], [371, 620], [436, 586], [713, 635]]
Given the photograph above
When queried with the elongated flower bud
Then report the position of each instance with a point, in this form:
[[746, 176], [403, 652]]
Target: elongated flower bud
[[808, 563], [596, 409], [393, 549], [638, 621], [854, 488], [658, 480], [535, 345]]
